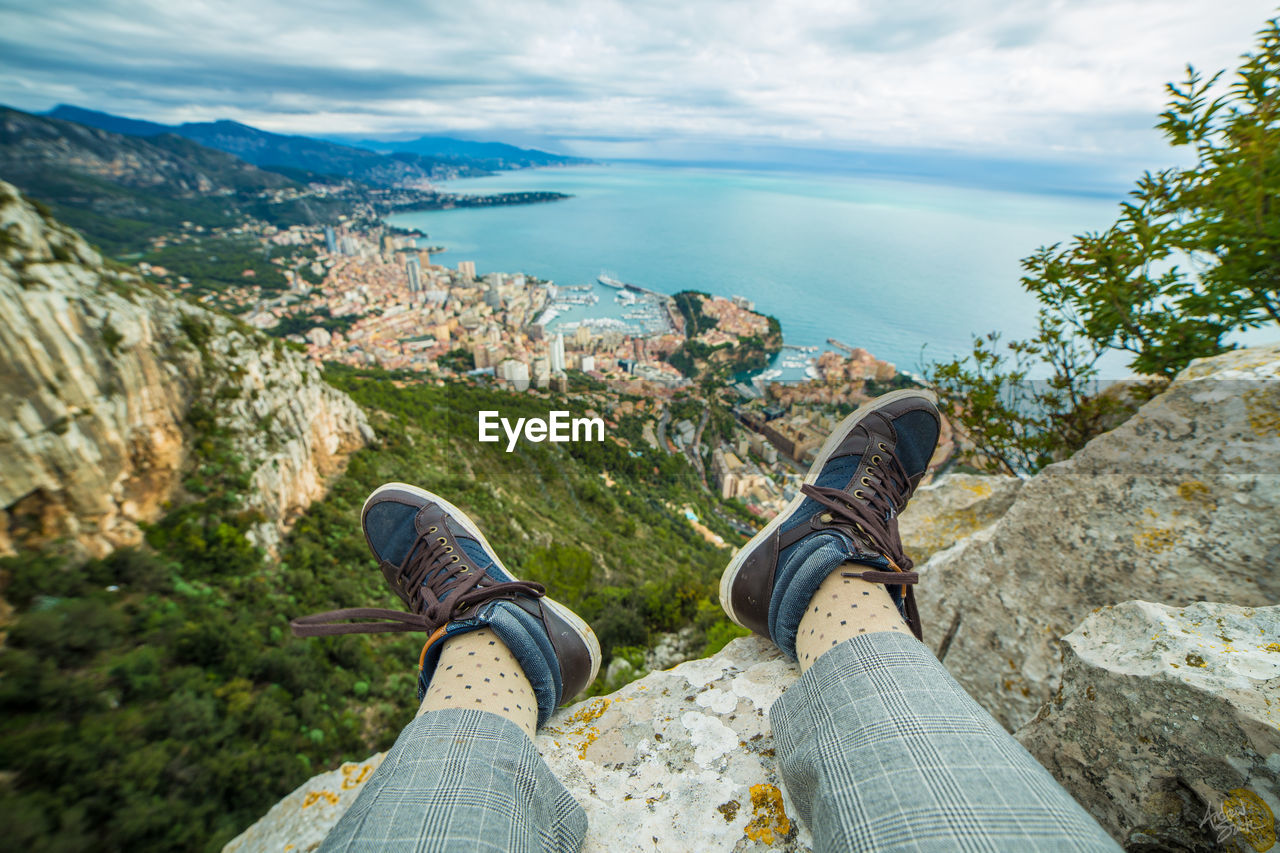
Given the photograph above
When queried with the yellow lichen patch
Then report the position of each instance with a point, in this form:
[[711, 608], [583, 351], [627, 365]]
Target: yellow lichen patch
[[1271, 647], [314, 797], [729, 810], [1157, 539], [1262, 411], [589, 737], [769, 819], [592, 712], [1250, 814], [1194, 659], [1192, 489], [581, 720], [354, 774]]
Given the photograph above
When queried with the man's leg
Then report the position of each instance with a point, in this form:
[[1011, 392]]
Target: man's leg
[[464, 775], [879, 747]]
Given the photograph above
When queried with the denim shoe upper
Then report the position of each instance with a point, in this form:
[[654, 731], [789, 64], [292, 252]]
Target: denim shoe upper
[[452, 584], [849, 514]]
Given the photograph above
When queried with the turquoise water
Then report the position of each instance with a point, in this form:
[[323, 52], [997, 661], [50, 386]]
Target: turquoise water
[[892, 266]]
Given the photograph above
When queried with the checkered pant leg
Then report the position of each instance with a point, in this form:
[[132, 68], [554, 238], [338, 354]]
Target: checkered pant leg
[[881, 749], [461, 780]]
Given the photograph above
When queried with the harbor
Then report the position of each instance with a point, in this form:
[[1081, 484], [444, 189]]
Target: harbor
[[608, 305]]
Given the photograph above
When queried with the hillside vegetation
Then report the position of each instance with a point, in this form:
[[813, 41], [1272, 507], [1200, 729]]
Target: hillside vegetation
[[155, 699]]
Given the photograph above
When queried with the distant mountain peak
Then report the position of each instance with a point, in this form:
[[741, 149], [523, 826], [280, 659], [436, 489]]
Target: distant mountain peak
[[406, 163]]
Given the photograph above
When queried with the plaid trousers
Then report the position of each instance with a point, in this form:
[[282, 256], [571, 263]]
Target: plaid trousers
[[879, 747]]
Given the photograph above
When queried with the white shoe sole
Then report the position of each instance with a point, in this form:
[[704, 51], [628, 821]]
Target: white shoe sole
[[829, 446], [582, 628]]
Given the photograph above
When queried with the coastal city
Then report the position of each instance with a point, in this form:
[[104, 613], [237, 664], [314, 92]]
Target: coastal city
[[379, 297]]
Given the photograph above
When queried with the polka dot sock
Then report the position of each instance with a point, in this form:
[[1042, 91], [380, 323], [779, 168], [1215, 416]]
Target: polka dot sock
[[477, 671], [844, 608]]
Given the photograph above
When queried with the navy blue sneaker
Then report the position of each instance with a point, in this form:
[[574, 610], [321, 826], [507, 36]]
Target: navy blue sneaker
[[847, 512], [449, 578]]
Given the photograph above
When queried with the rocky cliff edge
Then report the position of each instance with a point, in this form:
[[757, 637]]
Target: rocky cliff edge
[[98, 376]]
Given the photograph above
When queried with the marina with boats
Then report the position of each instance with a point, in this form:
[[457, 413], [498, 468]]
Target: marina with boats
[[610, 304]]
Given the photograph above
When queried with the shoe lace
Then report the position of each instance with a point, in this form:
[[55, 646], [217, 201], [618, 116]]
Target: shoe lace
[[440, 583], [872, 507]]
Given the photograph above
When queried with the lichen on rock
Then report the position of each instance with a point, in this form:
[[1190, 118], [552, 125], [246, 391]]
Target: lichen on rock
[[1181, 503], [679, 760], [1167, 722]]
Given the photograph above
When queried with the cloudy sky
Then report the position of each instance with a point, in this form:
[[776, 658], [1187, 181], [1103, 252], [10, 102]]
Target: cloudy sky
[[1069, 80]]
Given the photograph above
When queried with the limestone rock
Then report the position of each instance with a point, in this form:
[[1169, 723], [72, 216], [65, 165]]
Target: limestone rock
[[1167, 715], [1180, 503], [300, 821], [952, 507], [98, 375], [679, 760]]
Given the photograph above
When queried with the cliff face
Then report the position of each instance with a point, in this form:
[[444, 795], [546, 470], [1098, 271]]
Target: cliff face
[[1179, 504], [99, 376], [1166, 726]]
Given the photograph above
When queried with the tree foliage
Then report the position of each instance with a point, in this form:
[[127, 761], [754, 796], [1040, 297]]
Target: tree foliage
[[1193, 257]]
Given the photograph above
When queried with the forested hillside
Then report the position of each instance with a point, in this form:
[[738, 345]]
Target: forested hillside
[[155, 699]]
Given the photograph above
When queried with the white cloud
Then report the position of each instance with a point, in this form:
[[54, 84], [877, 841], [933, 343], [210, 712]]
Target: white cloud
[[998, 77]]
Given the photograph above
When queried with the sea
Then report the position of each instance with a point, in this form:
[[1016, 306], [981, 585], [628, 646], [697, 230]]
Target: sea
[[907, 269]]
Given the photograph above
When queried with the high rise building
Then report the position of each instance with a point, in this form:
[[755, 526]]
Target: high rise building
[[467, 269], [330, 240], [414, 269], [588, 363], [557, 354], [541, 372], [515, 372]]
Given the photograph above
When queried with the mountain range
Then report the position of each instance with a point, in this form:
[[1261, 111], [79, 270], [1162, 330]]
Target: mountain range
[[494, 156], [122, 182], [374, 162]]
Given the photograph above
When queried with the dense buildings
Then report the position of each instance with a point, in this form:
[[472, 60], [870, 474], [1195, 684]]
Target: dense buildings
[[380, 301]]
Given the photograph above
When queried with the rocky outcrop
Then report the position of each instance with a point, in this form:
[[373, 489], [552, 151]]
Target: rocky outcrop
[[1167, 724], [952, 507], [679, 760], [1180, 503], [99, 377]]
